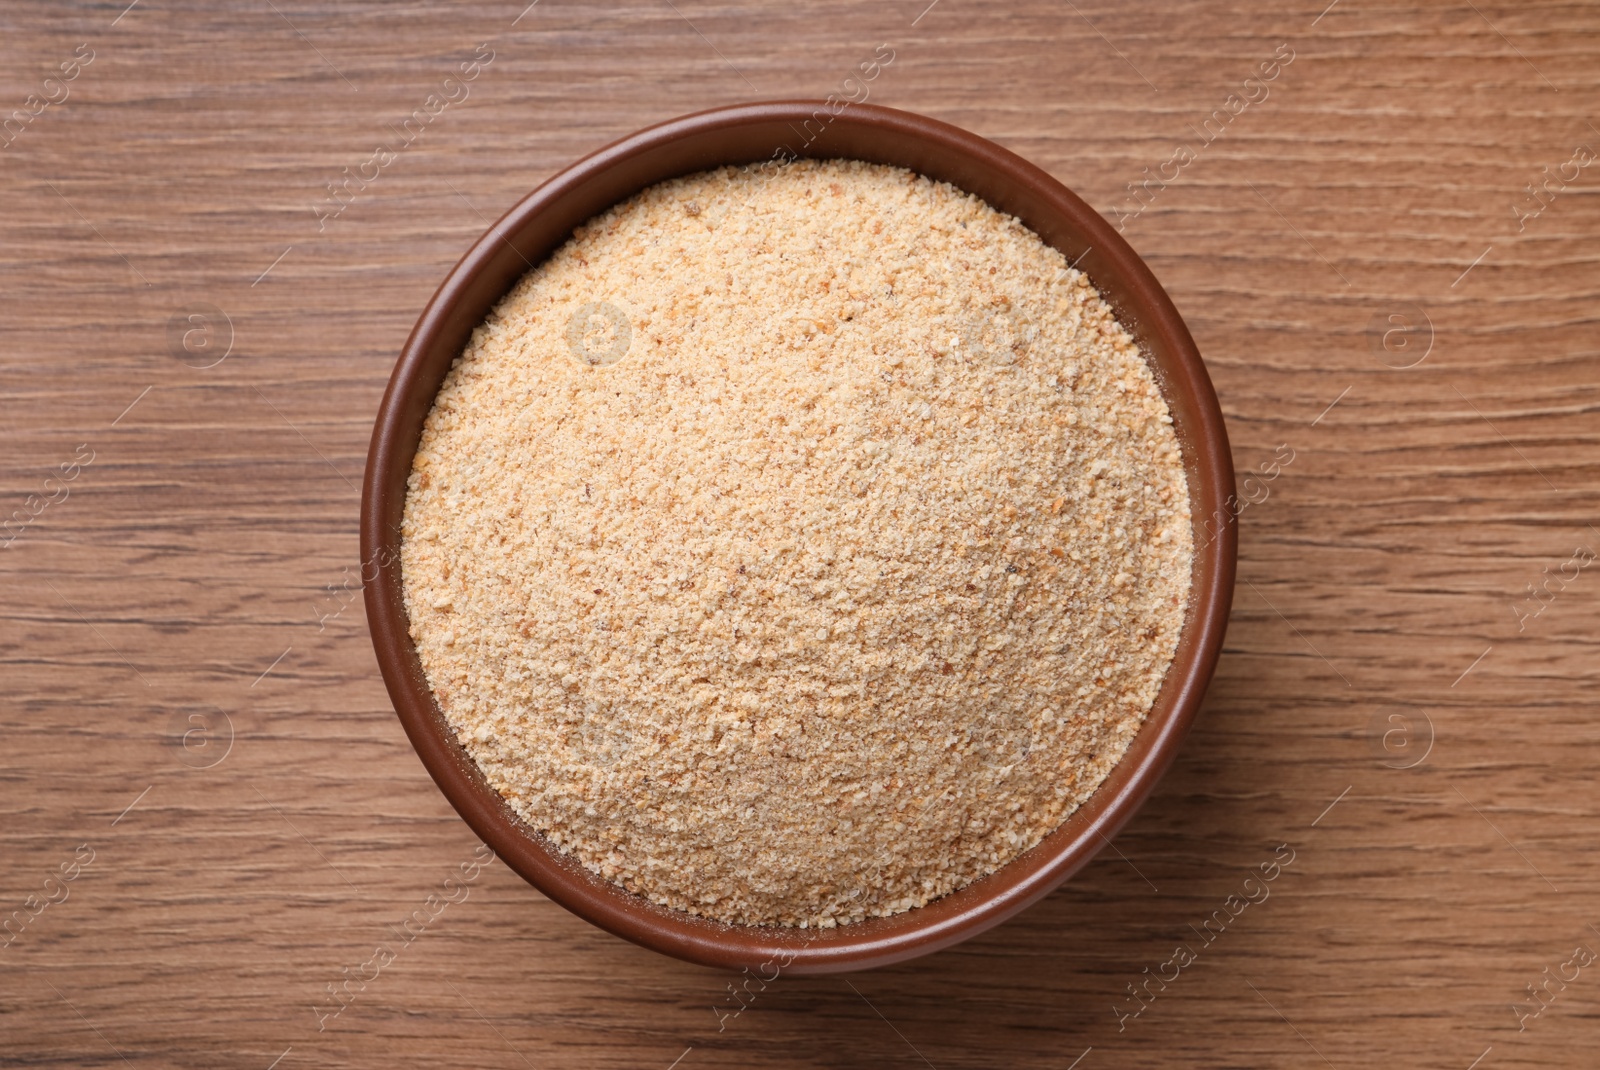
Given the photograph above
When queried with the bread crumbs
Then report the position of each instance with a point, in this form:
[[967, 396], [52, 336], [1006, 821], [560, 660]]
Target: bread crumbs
[[841, 587]]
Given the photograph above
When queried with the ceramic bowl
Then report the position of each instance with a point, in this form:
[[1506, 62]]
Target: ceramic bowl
[[749, 134]]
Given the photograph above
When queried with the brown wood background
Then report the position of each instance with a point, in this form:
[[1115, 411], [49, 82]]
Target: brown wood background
[[195, 566]]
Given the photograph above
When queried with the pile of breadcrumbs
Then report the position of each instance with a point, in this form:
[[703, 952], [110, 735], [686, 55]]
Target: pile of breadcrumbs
[[843, 587]]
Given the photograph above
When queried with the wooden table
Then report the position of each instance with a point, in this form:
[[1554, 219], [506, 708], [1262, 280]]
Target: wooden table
[[195, 732]]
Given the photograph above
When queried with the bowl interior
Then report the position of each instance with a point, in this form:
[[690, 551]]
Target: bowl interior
[[751, 134]]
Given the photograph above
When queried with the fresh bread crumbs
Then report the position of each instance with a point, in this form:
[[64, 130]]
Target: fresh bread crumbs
[[847, 583]]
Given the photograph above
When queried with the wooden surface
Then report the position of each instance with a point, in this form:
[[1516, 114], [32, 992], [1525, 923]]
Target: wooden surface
[[1428, 757]]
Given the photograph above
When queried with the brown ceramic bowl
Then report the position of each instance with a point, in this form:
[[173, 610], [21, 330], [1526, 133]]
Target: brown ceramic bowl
[[742, 135]]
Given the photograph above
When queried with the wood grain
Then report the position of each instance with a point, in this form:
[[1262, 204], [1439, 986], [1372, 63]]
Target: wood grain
[[192, 578]]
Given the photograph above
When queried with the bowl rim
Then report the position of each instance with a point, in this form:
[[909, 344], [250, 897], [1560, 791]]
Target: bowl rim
[[740, 134]]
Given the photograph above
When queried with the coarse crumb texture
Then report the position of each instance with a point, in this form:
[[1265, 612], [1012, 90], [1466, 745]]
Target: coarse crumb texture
[[843, 587]]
